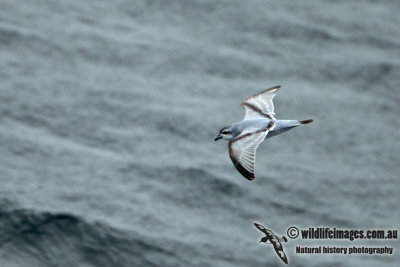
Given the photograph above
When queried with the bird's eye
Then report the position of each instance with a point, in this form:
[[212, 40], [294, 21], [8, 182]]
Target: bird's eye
[[225, 132]]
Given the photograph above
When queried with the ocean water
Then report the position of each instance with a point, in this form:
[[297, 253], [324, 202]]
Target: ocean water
[[109, 109]]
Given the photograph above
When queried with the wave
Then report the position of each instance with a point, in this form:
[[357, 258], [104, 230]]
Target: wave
[[31, 238], [198, 188], [28, 41]]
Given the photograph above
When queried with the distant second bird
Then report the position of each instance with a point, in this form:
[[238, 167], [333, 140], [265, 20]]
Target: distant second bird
[[274, 240]]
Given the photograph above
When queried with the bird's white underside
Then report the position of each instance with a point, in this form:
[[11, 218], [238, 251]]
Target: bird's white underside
[[244, 150]]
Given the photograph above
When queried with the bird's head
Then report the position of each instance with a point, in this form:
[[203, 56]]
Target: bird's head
[[264, 239], [225, 133]]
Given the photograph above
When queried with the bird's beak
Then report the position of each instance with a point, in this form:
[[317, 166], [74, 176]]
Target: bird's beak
[[218, 137]]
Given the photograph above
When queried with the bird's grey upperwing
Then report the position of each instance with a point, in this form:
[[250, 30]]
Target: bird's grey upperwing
[[242, 151], [279, 250], [260, 105]]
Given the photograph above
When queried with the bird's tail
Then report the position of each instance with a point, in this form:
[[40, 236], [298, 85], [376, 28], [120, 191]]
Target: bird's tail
[[283, 239], [306, 121]]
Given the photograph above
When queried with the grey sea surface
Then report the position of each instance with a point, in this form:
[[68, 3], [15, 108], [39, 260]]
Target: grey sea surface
[[108, 111]]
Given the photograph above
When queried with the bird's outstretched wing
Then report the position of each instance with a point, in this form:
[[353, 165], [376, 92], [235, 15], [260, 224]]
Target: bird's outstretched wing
[[281, 253], [242, 151], [260, 105], [263, 229]]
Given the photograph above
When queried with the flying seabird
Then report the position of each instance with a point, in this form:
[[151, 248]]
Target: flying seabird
[[274, 240], [259, 123]]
